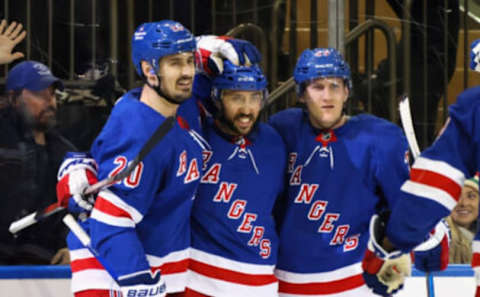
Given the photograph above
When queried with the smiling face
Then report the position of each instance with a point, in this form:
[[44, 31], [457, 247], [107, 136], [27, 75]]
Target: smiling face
[[240, 110], [466, 210], [324, 98]]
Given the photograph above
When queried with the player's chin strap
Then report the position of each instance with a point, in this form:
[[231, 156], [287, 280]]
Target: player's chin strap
[[159, 91]]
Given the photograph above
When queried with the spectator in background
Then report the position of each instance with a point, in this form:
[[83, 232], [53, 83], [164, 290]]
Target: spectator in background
[[463, 223], [30, 154]]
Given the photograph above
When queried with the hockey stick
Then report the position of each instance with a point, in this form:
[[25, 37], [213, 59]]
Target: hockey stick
[[407, 124], [39, 215]]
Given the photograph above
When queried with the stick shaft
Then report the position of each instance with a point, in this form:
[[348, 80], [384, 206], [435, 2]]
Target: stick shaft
[[53, 208]]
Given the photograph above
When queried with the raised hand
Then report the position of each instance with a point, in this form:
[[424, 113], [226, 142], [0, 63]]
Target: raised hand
[[9, 37]]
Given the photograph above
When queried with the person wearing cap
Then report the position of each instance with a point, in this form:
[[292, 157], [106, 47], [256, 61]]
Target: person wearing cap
[[31, 151], [463, 223]]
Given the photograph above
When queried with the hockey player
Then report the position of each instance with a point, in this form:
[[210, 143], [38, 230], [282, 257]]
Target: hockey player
[[437, 177], [165, 238], [234, 241], [140, 225], [341, 171]]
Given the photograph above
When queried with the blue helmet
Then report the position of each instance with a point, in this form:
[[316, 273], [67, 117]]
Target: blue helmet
[[152, 41], [246, 78], [321, 62]]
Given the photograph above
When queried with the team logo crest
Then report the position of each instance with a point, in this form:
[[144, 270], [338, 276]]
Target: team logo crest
[[41, 69], [322, 53], [176, 27], [326, 137]]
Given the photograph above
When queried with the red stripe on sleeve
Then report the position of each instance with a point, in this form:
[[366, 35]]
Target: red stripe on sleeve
[[436, 180], [107, 207], [475, 260], [84, 264]]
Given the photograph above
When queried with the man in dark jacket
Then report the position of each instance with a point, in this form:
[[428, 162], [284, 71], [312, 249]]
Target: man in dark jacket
[[30, 153]]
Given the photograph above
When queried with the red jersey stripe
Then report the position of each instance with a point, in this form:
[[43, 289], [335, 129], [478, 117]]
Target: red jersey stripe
[[331, 287], [232, 276], [436, 180]]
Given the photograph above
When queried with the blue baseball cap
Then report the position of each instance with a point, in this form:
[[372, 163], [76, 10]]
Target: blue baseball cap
[[33, 76]]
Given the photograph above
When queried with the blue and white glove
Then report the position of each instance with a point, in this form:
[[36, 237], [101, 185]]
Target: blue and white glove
[[384, 272], [432, 254], [143, 283], [76, 173], [212, 49], [475, 55]]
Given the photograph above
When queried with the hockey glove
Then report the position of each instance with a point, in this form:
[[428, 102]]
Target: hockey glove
[[383, 272], [143, 283], [432, 254], [475, 55], [211, 50], [76, 173]]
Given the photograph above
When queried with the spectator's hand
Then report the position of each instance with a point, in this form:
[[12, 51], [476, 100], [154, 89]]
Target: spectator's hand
[[62, 257], [9, 38], [143, 282], [211, 50], [384, 272], [432, 254], [76, 173]]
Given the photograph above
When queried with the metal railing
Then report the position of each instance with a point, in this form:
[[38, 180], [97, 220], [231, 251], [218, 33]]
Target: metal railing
[[103, 30]]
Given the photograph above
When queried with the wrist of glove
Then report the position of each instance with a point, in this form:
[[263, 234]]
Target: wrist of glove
[[432, 254], [76, 173], [384, 272], [143, 284], [212, 50]]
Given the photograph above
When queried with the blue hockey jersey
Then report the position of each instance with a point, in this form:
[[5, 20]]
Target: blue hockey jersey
[[437, 176], [337, 179], [141, 223], [234, 241]]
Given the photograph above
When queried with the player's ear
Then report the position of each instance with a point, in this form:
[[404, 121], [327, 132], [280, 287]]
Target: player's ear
[[218, 104], [149, 73], [347, 92], [301, 98]]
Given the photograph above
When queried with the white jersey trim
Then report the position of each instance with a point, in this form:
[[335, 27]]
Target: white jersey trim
[[362, 291], [93, 279], [117, 201], [220, 288], [440, 167], [476, 246], [111, 220], [421, 190], [80, 254], [233, 265], [176, 256], [319, 277], [100, 279], [176, 282]]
